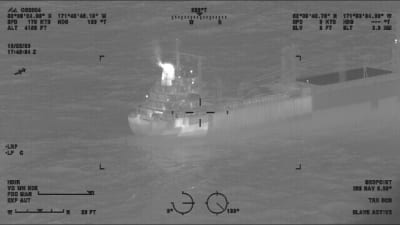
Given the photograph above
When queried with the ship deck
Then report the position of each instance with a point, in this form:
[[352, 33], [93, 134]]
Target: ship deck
[[344, 76]]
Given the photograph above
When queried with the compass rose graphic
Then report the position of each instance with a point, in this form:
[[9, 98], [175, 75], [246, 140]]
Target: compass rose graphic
[[217, 203], [186, 207]]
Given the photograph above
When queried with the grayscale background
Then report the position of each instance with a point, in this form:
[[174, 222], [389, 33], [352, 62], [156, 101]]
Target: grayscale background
[[69, 113]]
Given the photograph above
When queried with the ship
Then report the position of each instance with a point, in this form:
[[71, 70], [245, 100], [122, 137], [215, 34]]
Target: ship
[[174, 104]]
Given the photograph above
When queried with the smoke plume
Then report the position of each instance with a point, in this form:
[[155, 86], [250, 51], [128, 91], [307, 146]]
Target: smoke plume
[[157, 51]]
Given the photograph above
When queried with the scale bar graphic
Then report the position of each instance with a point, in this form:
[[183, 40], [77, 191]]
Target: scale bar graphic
[[40, 211], [87, 193]]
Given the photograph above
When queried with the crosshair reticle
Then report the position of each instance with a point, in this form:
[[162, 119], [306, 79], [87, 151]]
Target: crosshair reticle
[[199, 112], [217, 203], [184, 210]]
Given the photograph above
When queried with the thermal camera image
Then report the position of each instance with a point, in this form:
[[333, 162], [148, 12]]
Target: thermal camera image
[[199, 112]]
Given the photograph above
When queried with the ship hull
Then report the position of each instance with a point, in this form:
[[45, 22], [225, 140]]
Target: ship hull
[[140, 126], [341, 102], [321, 106]]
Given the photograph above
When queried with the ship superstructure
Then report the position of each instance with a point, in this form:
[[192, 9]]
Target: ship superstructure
[[171, 106]]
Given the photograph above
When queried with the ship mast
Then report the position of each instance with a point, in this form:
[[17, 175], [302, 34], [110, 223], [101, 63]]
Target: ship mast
[[289, 70], [342, 67], [178, 63], [199, 62], [396, 46]]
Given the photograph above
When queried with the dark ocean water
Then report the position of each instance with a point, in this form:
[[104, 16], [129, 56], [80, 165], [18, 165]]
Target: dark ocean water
[[69, 113]]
